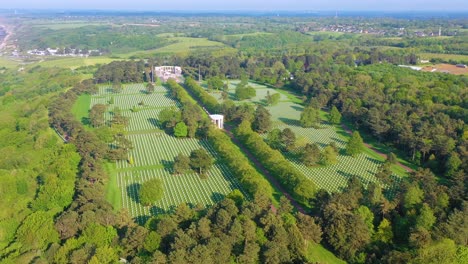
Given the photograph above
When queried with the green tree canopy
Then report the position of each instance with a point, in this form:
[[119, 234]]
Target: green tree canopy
[[215, 83], [180, 130], [335, 116], [181, 164], [311, 154], [328, 156], [200, 160], [355, 144], [310, 117], [288, 138], [151, 191], [262, 121], [169, 117]]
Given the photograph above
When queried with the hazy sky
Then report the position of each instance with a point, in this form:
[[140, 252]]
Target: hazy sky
[[265, 5]]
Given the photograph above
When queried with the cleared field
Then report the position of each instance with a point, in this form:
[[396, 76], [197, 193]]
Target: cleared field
[[8, 63], [181, 45], [446, 57], [446, 68], [153, 156], [73, 63], [66, 25]]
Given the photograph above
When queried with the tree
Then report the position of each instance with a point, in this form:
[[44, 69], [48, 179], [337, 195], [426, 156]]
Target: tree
[[311, 155], [37, 231], [180, 130], [117, 87], [392, 158], [215, 83], [181, 164], [272, 99], [96, 115], [328, 156], [200, 160], [335, 116], [288, 138], [274, 138], [355, 144], [169, 117], [151, 191], [262, 121], [310, 117], [425, 219], [245, 92], [452, 164], [310, 230], [149, 88], [384, 232]]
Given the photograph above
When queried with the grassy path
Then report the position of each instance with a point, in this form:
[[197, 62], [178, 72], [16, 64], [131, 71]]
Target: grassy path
[[369, 146]]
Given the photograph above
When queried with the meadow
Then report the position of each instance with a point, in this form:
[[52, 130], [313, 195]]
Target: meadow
[[153, 155]]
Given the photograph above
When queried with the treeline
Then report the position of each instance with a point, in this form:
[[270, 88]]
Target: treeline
[[201, 94], [253, 182], [418, 226], [452, 45], [105, 38], [37, 171], [122, 72], [301, 188]]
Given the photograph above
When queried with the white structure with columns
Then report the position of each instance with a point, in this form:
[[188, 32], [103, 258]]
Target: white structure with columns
[[218, 120]]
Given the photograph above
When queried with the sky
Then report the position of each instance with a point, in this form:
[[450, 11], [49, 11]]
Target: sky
[[235, 5]]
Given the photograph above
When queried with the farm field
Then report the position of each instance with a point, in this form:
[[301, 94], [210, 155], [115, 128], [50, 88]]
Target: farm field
[[331, 178], [180, 45], [153, 155], [74, 62], [446, 68]]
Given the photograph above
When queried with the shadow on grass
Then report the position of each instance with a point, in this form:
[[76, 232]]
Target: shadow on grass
[[339, 140], [297, 108], [168, 166], [86, 121], [154, 122], [375, 161], [217, 197], [133, 191], [290, 122]]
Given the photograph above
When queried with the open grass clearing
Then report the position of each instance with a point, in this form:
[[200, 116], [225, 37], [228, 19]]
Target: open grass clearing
[[74, 62]]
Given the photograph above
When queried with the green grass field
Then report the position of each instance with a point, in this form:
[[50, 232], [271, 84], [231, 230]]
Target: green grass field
[[65, 25], [445, 57], [153, 155], [316, 253], [181, 45], [8, 63], [81, 108], [74, 62]]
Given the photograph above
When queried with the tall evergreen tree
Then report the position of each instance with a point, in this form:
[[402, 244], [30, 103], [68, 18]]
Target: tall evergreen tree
[[355, 144], [262, 121]]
